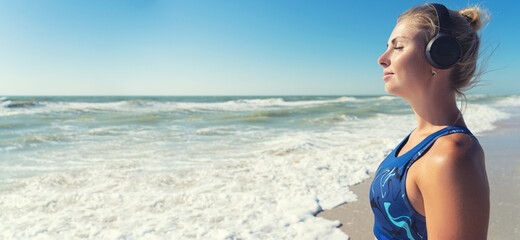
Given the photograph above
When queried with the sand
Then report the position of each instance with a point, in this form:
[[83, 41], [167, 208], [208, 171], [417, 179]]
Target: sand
[[502, 150]]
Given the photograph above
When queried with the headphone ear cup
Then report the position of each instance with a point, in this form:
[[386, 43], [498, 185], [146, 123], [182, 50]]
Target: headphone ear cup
[[443, 51]]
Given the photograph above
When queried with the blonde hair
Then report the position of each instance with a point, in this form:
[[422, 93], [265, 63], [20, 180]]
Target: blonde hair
[[465, 24]]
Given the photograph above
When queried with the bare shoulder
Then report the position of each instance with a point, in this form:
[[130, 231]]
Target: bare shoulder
[[455, 150], [456, 159], [454, 186]]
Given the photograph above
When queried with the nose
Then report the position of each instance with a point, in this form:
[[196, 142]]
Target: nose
[[384, 60]]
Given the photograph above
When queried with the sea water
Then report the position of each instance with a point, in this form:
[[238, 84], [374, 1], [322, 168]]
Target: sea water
[[197, 167]]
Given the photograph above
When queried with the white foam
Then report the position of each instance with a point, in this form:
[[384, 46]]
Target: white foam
[[387, 98], [245, 104], [272, 191], [119, 201], [510, 101], [480, 118]]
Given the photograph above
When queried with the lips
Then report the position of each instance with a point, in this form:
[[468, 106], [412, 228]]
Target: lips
[[387, 76]]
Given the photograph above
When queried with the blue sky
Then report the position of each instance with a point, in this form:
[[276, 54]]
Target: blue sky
[[262, 47]]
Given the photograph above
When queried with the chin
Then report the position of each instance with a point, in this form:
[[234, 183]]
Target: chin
[[389, 89], [392, 90]]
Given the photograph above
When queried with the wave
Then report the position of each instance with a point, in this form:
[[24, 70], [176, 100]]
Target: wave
[[213, 131], [388, 98], [144, 105], [332, 118], [481, 118], [19, 104], [510, 101], [49, 107], [249, 104]]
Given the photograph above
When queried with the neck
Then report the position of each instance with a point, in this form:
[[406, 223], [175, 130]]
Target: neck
[[435, 110]]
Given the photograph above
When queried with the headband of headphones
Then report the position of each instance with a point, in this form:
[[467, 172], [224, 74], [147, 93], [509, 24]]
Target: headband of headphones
[[443, 51], [443, 17]]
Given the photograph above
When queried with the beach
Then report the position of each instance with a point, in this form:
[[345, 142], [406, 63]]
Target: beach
[[502, 151]]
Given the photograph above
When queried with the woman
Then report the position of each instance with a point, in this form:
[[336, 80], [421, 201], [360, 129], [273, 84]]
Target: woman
[[434, 184]]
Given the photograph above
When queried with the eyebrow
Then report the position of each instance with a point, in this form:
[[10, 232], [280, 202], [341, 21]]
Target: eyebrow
[[394, 39]]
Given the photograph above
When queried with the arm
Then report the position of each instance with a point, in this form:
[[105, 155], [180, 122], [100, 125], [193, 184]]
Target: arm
[[455, 190]]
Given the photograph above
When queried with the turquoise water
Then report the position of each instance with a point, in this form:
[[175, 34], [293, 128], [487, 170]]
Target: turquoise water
[[233, 167]]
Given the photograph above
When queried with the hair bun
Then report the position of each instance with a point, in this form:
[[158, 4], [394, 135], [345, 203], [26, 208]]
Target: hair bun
[[475, 16]]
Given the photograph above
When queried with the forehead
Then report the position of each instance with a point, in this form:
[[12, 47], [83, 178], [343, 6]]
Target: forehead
[[407, 31]]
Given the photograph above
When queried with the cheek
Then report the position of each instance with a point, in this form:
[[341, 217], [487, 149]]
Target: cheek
[[406, 59], [412, 64]]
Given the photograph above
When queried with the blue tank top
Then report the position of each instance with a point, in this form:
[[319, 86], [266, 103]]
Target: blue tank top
[[394, 216]]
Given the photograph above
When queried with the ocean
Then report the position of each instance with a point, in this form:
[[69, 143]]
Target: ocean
[[224, 167]]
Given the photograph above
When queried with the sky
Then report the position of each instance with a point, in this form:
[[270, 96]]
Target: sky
[[224, 47]]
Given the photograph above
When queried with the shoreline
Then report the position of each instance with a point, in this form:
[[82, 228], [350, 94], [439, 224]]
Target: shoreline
[[503, 168], [356, 217]]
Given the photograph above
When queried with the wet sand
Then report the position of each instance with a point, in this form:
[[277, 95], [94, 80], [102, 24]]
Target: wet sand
[[502, 149], [356, 217]]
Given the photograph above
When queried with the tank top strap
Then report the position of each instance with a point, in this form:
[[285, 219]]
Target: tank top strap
[[433, 137], [425, 145]]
